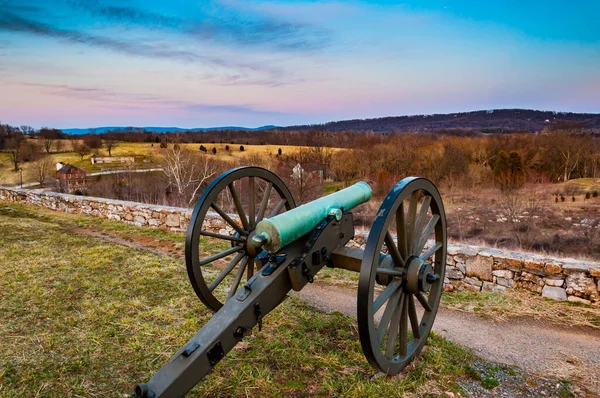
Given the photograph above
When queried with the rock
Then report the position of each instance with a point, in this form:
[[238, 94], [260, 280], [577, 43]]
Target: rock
[[172, 220], [154, 222], [503, 274], [554, 282], [505, 282], [473, 281], [491, 287], [454, 273], [553, 267], [139, 220], [529, 281], [480, 267], [534, 265], [578, 284], [462, 267], [575, 299], [554, 293]]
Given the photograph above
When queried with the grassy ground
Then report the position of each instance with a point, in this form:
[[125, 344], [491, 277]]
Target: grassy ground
[[86, 317]]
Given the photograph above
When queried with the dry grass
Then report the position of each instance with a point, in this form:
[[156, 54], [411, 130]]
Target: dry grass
[[518, 303], [82, 316]]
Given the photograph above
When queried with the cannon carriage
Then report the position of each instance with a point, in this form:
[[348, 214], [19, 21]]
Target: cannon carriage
[[271, 247]]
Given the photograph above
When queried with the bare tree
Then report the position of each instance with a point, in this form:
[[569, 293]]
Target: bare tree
[[110, 144], [81, 149], [41, 168], [187, 172], [14, 146], [49, 137]]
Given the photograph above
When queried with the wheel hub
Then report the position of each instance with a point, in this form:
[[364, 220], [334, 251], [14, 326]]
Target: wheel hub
[[419, 275]]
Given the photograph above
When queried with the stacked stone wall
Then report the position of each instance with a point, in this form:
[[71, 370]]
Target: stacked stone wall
[[469, 267]]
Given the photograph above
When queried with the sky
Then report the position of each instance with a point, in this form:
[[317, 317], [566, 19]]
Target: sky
[[90, 63]]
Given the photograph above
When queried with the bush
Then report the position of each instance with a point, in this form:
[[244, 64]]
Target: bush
[[214, 151], [588, 195], [573, 198], [562, 198], [163, 144], [595, 194], [556, 199], [226, 147], [203, 148], [241, 148], [279, 152]]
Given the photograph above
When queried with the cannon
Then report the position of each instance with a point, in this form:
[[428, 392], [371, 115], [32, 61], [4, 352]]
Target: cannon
[[271, 247]]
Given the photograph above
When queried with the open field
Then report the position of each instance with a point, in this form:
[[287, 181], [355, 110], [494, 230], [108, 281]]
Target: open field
[[83, 316], [148, 150]]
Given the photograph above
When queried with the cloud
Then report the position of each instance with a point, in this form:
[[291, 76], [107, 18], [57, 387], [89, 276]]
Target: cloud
[[14, 23], [229, 26], [117, 100]]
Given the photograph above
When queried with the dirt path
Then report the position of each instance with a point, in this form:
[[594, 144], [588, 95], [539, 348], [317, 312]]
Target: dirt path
[[535, 346]]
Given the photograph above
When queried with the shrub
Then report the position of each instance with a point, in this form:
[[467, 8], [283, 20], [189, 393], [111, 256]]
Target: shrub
[[163, 144], [279, 152], [573, 198], [562, 198], [226, 147], [214, 151], [241, 148], [595, 194], [588, 195], [556, 199], [203, 148]]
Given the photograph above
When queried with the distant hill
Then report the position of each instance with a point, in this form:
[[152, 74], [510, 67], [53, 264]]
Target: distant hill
[[496, 120], [493, 121], [99, 130]]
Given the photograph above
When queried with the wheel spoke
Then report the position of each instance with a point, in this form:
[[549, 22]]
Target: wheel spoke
[[219, 236], [401, 231], [414, 319], [423, 300], [387, 292], [433, 249], [393, 249], [228, 219], [264, 203], [238, 278], [250, 269], [412, 214], [251, 205], [226, 271], [420, 223], [393, 332], [238, 205], [387, 314], [277, 208], [403, 329], [217, 256], [428, 230]]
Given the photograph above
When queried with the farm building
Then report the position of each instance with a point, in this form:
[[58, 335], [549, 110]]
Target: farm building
[[71, 176]]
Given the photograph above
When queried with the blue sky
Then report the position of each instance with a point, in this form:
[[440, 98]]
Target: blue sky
[[82, 63]]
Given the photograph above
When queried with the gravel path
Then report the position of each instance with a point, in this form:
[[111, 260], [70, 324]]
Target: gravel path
[[535, 346]]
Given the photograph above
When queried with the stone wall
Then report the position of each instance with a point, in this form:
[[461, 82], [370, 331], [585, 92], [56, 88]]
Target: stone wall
[[468, 267]]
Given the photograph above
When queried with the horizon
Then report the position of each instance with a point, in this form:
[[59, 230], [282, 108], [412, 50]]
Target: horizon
[[218, 63]]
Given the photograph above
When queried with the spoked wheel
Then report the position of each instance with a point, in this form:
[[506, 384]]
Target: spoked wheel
[[216, 262], [401, 279]]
